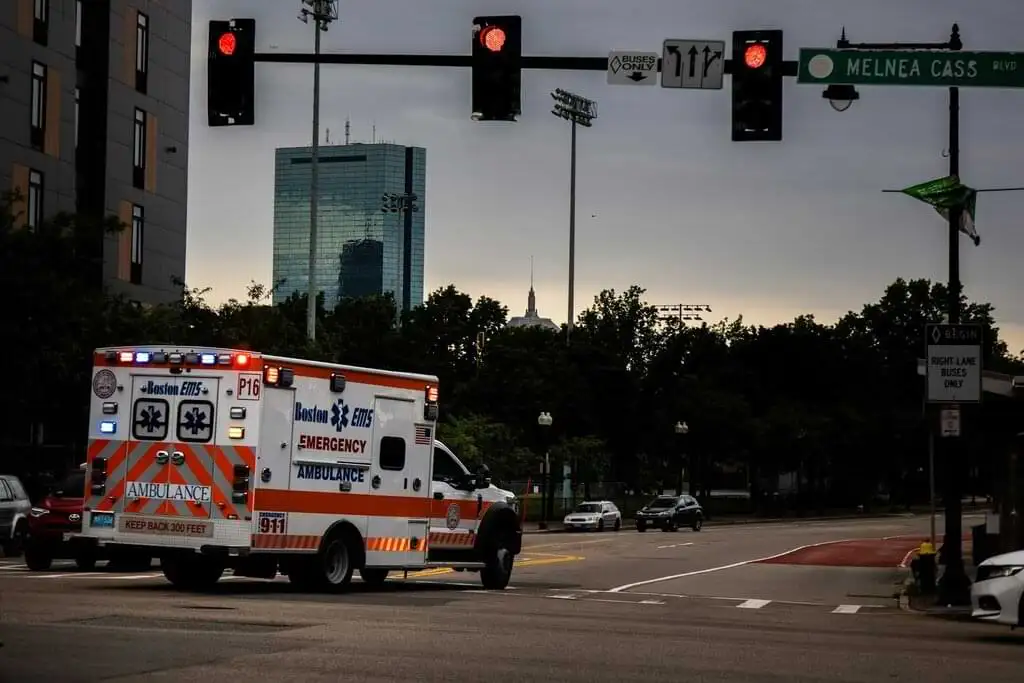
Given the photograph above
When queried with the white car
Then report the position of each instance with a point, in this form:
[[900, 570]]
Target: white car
[[594, 514], [998, 591]]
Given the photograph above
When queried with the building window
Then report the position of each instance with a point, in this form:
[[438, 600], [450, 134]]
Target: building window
[[141, 52], [37, 135], [139, 159], [34, 214], [78, 28], [138, 233], [41, 21], [78, 96]]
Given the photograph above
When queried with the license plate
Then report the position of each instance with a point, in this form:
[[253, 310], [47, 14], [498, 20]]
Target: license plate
[[66, 537], [102, 520]]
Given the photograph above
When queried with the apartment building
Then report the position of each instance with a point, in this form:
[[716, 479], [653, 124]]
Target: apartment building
[[94, 100]]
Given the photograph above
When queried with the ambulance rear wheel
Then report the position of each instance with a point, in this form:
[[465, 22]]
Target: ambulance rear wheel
[[333, 564], [192, 573], [373, 577]]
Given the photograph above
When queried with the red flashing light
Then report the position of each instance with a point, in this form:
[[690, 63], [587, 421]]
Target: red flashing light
[[755, 56], [242, 360], [493, 38], [227, 43]]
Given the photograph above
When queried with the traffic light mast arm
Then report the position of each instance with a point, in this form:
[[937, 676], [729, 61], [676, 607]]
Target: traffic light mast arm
[[789, 68]]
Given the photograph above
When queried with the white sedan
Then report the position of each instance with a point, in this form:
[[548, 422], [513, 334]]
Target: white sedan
[[998, 591], [597, 515]]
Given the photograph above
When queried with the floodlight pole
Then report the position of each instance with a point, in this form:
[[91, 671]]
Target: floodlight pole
[[577, 110], [323, 12]]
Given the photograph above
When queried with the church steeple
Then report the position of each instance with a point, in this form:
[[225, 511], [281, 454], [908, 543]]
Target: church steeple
[[531, 300]]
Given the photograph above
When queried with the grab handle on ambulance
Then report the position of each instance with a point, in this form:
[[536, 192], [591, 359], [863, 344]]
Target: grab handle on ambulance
[[162, 457], [178, 458]]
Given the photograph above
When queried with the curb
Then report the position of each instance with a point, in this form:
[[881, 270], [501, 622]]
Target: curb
[[630, 524]]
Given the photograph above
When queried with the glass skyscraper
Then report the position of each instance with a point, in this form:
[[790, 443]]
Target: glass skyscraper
[[361, 250]]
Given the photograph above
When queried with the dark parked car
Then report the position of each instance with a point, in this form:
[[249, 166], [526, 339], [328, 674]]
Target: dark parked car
[[668, 513]]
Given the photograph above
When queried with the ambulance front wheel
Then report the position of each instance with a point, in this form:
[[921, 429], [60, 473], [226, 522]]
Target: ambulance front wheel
[[497, 570]]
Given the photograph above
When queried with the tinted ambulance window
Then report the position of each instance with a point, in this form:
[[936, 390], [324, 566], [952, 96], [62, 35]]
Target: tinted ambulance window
[[392, 453], [445, 468], [149, 419], [195, 421]]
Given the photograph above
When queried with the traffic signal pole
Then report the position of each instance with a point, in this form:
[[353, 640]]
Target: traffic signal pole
[[463, 61], [954, 585]]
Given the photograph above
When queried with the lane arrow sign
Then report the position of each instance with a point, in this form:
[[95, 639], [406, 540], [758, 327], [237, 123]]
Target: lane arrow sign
[[637, 76], [693, 60], [709, 59]]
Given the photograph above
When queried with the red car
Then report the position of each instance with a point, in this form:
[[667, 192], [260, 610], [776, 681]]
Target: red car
[[51, 525]]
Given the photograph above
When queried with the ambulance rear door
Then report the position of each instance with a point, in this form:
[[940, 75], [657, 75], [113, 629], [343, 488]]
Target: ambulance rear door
[[170, 468], [400, 484]]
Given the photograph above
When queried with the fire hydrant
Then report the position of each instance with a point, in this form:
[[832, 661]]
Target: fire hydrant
[[924, 568]]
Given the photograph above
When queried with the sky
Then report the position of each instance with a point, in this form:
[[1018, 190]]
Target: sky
[[664, 199]]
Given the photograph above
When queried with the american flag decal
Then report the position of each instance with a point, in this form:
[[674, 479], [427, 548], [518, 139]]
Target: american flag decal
[[423, 435]]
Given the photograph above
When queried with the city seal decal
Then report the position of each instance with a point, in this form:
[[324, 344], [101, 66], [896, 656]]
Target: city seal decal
[[453, 516], [104, 384]]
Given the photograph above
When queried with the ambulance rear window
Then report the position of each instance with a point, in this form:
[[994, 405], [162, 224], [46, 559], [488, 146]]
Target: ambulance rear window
[[195, 421], [149, 419], [392, 453]]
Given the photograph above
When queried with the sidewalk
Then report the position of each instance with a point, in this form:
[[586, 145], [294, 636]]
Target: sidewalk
[[628, 524]]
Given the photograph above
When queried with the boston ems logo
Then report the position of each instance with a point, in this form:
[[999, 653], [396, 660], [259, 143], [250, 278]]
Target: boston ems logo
[[453, 516]]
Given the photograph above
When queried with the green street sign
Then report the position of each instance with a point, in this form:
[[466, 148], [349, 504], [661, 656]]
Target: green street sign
[[912, 67]]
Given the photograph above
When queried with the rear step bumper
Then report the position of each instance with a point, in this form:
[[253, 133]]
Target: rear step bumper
[[214, 550]]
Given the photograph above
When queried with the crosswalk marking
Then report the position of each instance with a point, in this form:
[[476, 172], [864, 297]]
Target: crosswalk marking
[[753, 604], [846, 609]]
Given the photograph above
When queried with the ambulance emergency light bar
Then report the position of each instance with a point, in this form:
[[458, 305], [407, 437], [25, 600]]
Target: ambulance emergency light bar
[[238, 360]]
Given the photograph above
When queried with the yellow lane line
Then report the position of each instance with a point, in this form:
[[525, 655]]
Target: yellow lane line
[[568, 543]]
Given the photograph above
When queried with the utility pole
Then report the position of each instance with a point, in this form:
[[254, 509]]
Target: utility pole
[[323, 12]]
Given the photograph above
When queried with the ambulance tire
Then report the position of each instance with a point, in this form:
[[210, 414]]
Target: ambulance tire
[[373, 577], [192, 573], [85, 560], [498, 561], [331, 569]]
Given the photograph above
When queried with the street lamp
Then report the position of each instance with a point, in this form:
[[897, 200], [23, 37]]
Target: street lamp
[[681, 430], [544, 421], [841, 97], [323, 12], [576, 110]]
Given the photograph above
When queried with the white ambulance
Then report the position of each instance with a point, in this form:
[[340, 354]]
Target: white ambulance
[[213, 459]]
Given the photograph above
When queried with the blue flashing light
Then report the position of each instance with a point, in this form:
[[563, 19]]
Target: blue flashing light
[[142, 356], [108, 427], [208, 359]]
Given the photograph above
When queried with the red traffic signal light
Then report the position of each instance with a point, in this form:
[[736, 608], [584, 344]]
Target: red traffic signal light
[[493, 38], [226, 44], [755, 56]]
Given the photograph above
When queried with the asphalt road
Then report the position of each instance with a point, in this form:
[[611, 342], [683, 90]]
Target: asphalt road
[[706, 608]]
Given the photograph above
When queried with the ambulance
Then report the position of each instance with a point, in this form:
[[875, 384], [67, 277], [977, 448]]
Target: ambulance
[[216, 459]]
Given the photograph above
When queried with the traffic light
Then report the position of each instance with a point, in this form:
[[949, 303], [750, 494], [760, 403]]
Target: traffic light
[[756, 86], [230, 70], [497, 68]]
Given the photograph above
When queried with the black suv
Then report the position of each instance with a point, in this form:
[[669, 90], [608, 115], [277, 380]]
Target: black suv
[[668, 513]]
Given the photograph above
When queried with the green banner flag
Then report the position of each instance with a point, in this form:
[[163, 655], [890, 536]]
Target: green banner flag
[[947, 193]]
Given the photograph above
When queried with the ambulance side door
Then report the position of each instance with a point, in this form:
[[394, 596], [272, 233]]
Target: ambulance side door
[[400, 483]]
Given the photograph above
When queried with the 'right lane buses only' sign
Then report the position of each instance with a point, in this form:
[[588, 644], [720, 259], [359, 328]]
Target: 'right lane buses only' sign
[[954, 354]]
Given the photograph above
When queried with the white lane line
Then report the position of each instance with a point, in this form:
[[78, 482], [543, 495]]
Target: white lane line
[[651, 602], [846, 609], [676, 545], [753, 604], [635, 584], [14, 567]]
